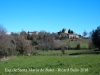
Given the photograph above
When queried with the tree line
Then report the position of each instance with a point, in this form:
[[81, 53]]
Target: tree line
[[23, 44]]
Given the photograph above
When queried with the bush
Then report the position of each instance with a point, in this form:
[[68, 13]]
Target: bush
[[91, 45], [45, 41], [78, 47], [23, 46], [6, 46], [63, 50]]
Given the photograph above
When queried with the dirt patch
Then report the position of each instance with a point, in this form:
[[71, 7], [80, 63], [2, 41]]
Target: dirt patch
[[7, 58]]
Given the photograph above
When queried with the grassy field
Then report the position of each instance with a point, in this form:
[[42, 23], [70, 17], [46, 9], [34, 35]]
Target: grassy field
[[84, 43], [67, 52], [84, 64]]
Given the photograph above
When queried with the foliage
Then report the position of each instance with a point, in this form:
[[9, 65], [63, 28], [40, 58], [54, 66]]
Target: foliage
[[22, 46], [70, 31], [84, 33], [23, 34], [2, 29], [78, 46], [46, 42], [91, 45], [6, 46], [96, 37], [23, 43], [14, 43], [63, 30]]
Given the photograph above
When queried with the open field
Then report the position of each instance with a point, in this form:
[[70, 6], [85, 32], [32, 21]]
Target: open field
[[84, 43], [84, 64]]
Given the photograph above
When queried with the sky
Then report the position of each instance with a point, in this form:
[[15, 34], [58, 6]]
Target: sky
[[50, 15]]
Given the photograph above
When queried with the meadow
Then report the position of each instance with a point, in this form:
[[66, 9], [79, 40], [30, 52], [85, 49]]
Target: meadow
[[84, 43], [86, 62]]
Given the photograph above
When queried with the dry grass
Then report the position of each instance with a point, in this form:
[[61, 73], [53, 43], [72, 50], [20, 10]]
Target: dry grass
[[7, 58]]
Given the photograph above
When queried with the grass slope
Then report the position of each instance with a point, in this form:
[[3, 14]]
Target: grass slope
[[86, 64], [84, 43]]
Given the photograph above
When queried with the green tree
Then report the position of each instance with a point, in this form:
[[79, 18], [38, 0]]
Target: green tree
[[63, 30], [78, 46], [69, 31], [96, 37]]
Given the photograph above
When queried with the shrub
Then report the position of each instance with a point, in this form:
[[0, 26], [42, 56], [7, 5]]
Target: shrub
[[23, 46], [78, 46], [91, 45], [63, 50], [6, 46]]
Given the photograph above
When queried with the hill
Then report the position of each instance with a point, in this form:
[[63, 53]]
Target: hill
[[84, 43]]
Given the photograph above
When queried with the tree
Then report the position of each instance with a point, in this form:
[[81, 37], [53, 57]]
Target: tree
[[90, 34], [84, 33], [23, 34], [6, 46], [91, 45], [45, 41], [69, 31], [63, 30], [96, 37], [2, 29], [63, 50], [78, 46], [23, 46]]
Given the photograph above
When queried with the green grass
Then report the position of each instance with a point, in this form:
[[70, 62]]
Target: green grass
[[89, 65], [84, 43], [67, 52]]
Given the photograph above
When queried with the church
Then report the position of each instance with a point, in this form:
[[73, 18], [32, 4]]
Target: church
[[68, 35]]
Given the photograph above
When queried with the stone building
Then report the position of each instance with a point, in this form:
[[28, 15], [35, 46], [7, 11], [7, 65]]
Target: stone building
[[73, 36], [68, 35], [32, 32]]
